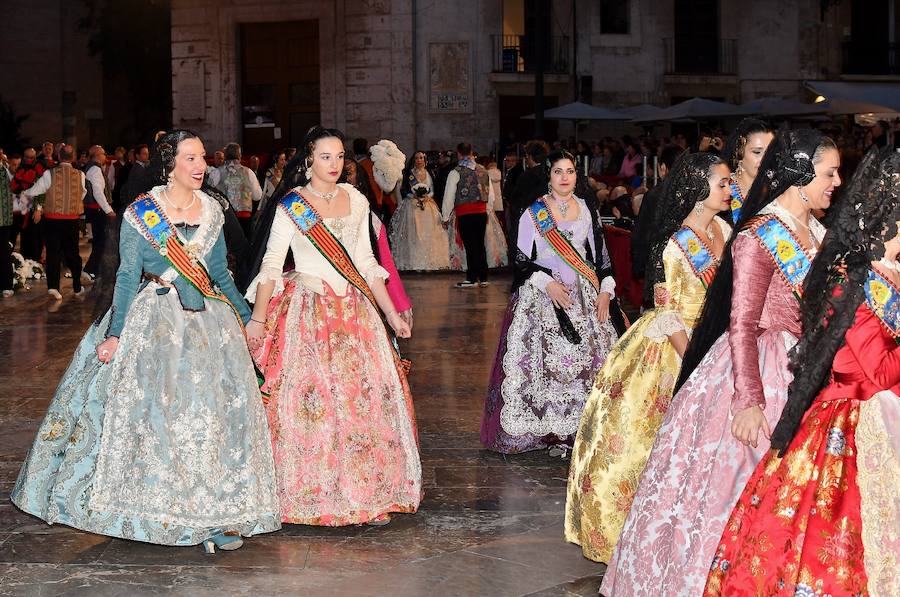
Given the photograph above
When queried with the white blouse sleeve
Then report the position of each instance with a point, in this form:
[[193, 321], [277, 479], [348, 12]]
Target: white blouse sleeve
[[272, 266]]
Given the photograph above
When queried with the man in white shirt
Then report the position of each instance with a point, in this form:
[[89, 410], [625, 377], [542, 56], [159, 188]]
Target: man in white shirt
[[469, 193], [97, 208], [239, 184], [59, 195]]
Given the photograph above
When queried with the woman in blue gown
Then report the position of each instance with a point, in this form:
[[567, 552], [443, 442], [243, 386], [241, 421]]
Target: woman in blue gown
[[157, 431]]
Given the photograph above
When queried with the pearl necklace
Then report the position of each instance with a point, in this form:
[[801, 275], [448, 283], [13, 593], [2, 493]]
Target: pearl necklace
[[326, 196], [165, 196]]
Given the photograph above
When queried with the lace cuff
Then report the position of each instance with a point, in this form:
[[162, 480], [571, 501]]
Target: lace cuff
[[374, 272], [265, 275], [664, 325], [608, 285], [540, 280]]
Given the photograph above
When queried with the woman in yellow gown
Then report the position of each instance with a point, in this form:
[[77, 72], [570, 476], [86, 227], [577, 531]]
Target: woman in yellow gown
[[634, 387]]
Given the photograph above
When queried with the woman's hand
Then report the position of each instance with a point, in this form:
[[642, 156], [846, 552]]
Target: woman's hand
[[256, 331], [107, 349], [400, 327], [559, 294], [408, 318], [746, 425], [603, 306]]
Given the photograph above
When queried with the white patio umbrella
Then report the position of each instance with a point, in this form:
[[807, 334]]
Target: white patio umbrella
[[776, 106], [579, 111], [693, 110]]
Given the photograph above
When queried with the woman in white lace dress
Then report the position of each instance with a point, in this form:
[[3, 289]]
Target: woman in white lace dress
[[417, 236]]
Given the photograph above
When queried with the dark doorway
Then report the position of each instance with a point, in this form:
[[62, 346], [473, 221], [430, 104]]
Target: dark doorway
[[279, 84], [696, 36], [514, 128], [872, 49]]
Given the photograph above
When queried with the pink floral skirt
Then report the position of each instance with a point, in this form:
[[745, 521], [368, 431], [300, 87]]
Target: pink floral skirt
[[694, 476], [340, 413]]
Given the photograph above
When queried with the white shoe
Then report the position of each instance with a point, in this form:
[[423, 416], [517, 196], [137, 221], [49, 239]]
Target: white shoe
[[55, 294], [80, 294], [87, 278], [7, 293]]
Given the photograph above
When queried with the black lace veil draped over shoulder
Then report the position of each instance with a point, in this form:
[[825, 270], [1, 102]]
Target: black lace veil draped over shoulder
[[686, 185], [789, 161], [834, 288]]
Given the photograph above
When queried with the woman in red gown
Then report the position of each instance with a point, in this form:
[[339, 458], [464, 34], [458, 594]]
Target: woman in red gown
[[819, 516]]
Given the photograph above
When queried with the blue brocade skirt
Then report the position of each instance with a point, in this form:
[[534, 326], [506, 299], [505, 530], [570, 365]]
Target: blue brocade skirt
[[166, 444]]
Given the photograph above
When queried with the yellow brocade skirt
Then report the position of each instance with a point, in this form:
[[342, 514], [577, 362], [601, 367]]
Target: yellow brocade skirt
[[620, 420]]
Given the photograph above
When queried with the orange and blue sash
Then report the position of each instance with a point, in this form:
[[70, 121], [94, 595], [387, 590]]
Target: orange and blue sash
[[310, 224], [737, 201], [698, 255], [546, 227], [791, 259], [883, 299]]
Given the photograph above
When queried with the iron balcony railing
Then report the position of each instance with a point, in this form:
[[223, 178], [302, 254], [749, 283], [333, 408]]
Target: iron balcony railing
[[684, 55], [870, 58], [516, 54]]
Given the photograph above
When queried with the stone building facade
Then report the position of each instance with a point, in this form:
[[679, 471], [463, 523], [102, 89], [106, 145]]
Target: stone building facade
[[428, 74], [48, 74]]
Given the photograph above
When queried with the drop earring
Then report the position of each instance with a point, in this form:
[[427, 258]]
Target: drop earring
[[699, 208], [739, 171], [803, 195]]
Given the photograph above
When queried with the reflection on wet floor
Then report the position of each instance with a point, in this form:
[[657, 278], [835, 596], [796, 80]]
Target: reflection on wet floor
[[489, 524]]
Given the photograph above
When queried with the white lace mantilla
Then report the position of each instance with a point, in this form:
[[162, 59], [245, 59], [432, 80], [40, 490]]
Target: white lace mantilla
[[208, 224]]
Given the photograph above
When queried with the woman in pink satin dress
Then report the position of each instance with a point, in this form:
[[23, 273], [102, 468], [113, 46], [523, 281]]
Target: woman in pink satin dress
[[717, 427]]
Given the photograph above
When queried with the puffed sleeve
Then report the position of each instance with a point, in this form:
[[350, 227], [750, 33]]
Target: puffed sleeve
[[753, 272], [217, 262], [128, 277], [272, 266], [667, 295], [363, 258], [876, 352], [527, 237]]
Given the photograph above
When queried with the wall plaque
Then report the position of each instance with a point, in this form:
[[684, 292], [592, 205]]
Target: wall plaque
[[450, 78], [190, 87]]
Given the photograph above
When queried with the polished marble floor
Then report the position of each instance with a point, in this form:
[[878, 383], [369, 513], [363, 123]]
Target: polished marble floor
[[489, 525]]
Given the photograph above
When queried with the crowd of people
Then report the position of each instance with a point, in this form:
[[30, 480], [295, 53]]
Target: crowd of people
[[740, 433]]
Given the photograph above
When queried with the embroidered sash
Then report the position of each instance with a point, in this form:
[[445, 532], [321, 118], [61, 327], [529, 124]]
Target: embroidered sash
[[791, 259], [546, 227], [883, 299], [737, 201], [698, 254], [157, 229], [310, 225]]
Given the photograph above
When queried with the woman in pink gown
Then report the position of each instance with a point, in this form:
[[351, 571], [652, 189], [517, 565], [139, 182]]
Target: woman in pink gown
[[716, 429], [337, 399]]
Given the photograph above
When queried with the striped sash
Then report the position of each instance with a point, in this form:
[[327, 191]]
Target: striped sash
[[546, 227], [310, 225]]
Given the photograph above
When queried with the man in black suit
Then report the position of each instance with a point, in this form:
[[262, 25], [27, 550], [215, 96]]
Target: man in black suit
[[531, 185]]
